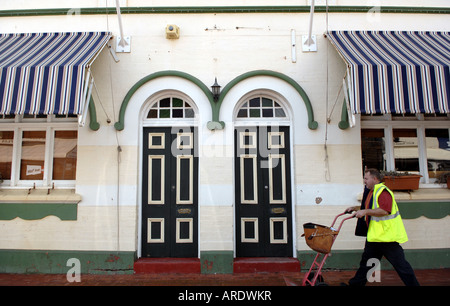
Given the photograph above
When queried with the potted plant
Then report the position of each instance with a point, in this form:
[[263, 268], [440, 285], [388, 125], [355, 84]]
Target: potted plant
[[443, 178], [401, 180]]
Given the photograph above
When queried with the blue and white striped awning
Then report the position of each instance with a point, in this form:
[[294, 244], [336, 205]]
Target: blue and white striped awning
[[44, 73], [396, 72]]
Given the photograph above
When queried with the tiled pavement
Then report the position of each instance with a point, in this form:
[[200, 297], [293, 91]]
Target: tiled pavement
[[437, 277]]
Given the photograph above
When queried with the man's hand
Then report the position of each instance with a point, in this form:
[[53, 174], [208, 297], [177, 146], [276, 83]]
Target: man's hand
[[350, 209], [361, 213], [377, 212]]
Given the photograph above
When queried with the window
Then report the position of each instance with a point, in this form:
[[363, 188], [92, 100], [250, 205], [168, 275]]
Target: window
[[373, 148], [6, 152], [38, 151], [65, 155], [406, 150], [416, 144], [32, 155], [261, 107], [438, 152], [171, 108]]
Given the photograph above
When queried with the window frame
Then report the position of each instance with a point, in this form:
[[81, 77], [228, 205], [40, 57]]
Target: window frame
[[50, 124], [420, 122], [172, 94], [268, 94]]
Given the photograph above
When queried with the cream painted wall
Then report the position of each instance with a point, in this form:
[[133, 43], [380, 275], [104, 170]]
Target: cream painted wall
[[96, 228], [223, 46], [216, 234], [344, 164]]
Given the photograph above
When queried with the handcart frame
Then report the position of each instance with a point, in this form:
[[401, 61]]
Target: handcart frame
[[316, 279]]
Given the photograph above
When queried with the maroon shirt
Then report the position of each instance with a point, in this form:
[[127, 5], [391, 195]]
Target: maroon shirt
[[384, 202]]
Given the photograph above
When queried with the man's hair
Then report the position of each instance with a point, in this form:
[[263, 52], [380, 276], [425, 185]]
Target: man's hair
[[375, 173]]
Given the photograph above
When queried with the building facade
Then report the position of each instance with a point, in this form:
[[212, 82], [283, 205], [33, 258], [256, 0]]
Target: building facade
[[154, 164]]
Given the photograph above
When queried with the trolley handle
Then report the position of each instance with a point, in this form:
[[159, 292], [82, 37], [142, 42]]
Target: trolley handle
[[345, 219]]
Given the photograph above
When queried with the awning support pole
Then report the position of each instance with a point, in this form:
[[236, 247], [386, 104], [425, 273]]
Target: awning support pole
[[351, 116], [86, 99]]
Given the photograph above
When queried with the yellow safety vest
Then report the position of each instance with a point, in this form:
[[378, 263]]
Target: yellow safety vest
[[389, 228]]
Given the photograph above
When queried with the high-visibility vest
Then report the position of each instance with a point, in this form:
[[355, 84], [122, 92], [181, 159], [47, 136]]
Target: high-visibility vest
[[388, 228]]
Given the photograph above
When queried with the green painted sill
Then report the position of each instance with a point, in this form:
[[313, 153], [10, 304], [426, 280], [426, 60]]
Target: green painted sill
[[38, 204]]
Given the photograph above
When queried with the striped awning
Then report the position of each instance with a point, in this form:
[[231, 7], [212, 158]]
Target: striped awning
[[44, 73], [396, 72]]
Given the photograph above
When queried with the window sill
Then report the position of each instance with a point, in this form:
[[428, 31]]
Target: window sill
[[39, 195], [427, 194], [38, 204]]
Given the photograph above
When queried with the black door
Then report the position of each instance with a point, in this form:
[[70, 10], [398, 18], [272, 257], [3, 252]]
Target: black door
[[169, 192], [263, 192]]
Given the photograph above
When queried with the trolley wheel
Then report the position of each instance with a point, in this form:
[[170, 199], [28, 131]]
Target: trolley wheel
[[319, 281]]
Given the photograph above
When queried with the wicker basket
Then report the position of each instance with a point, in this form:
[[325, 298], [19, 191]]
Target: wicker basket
[[319, 237]]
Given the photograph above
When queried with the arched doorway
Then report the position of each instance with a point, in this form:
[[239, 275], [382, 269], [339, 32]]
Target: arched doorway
[[169, 190], [263, 201]]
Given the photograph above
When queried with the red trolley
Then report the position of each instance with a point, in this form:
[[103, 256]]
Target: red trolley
[[320, 238]]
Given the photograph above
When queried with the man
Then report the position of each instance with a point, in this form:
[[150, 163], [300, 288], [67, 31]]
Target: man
[[379, 220]]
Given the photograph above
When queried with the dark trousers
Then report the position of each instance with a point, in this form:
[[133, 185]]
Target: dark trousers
[[393, 253]]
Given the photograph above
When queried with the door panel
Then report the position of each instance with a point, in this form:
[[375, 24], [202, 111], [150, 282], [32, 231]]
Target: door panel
[[277, 179], [249, 180], [263, 193], [156, 173], [184, 179], [169, 193]]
